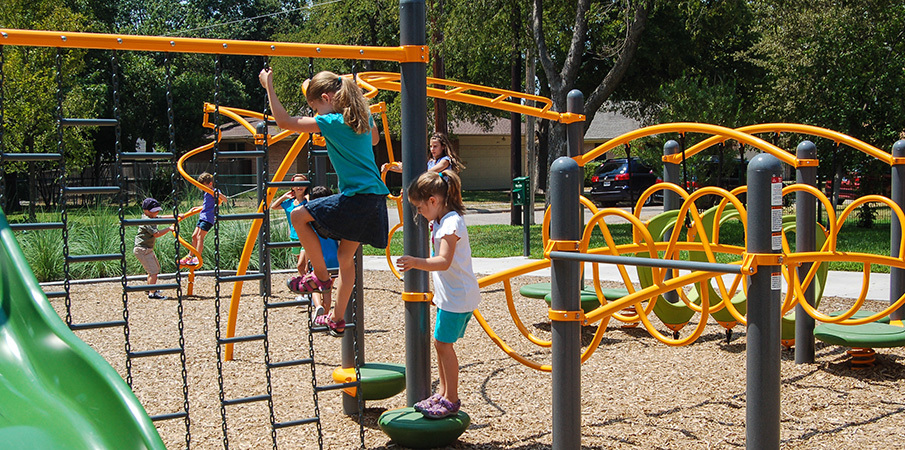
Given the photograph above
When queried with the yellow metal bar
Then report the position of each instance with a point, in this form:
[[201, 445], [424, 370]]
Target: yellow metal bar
[[688, 127], [475, 95], [35, 38], [790, 128], [417, 296]]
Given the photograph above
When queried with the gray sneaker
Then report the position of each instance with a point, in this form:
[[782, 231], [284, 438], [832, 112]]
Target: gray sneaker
[[156, 295]]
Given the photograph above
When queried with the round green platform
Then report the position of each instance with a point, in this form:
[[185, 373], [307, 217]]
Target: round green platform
[[379, 380], [409, 428], [869, 335], [860, 314], [588, 300]]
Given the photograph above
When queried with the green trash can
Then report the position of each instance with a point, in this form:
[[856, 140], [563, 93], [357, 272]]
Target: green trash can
[[520, 191]]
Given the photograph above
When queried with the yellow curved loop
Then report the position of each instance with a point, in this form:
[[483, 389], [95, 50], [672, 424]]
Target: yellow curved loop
[[687, 127], [835, 136], [517, 320], [389, 257]]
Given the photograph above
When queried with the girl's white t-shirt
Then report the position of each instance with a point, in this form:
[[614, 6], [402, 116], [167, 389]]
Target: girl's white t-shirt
[[456, 288]]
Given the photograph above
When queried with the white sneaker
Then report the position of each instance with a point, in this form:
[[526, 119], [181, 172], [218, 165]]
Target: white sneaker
[[156, 295], [319, 311]]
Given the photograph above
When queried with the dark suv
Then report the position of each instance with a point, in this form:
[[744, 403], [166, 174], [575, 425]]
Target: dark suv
[[613, 182]]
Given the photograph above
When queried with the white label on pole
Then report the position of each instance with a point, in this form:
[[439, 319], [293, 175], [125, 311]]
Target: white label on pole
[[776, 191], [776, 219], [777, 241], [775, 281]]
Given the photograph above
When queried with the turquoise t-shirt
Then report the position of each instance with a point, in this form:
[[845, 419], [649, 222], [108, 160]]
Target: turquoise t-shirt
[[288, 205], [352, 156]]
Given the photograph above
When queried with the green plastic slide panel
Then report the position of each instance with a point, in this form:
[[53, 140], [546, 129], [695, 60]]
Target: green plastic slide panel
[[379, 380], [868, 335], [55, 391], [409, 428]]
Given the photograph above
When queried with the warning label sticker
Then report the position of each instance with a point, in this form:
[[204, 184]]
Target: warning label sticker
[[776, 242], [776, 219], [776, 191], [775, 281]]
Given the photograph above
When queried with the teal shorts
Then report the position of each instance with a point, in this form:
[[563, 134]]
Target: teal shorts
[[450, 326]]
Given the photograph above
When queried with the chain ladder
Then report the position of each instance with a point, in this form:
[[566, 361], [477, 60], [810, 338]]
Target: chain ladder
[[217, 252], [265, 268], [64, 219], [174, 193], [320, 431], [114, 63]]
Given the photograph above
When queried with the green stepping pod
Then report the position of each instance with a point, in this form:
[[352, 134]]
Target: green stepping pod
[[379, 380], [868, 335], [409, 428], [55, 391]]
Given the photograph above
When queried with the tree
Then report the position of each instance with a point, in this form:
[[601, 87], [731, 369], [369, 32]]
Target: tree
[[563, 64], [836, 65]]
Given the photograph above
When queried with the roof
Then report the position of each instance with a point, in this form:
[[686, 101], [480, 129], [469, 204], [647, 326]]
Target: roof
[[233, 131], [608, 124], [605, 126]]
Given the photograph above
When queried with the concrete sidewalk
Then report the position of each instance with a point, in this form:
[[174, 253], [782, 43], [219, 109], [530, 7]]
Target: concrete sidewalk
[[839, 284]]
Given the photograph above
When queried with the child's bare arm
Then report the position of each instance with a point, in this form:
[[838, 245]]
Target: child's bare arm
[[282, 118], [439, 262]]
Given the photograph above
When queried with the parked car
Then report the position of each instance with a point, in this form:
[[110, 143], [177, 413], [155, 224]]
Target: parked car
[[623, 180]]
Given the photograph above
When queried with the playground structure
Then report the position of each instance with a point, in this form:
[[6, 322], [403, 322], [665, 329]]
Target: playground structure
[[565, 315]]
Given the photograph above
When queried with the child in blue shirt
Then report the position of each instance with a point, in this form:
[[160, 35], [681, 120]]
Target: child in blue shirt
[[296, 196], [356, 215]]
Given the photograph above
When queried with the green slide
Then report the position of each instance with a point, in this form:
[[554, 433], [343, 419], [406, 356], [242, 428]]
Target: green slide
[[55, 391]]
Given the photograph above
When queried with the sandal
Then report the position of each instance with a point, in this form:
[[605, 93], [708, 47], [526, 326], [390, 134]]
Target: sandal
[[336, 329], [308, 284], [442, 409], [427, 403]]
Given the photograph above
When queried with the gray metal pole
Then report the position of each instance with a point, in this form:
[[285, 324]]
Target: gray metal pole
[[763, 350], [350, 403], [896, 275], [414, 135], [264, 233], [671, 200], [805, 241], [575, 130], [565, 185]]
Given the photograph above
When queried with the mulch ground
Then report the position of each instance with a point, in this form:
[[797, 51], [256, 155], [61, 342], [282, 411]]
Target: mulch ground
[[636, 391]]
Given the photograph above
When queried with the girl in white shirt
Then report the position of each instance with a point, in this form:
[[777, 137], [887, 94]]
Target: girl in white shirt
[[438, 198]]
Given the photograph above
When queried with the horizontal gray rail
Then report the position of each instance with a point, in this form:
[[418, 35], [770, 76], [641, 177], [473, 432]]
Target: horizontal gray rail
[[648, 262], [143, 156], [32, 156]]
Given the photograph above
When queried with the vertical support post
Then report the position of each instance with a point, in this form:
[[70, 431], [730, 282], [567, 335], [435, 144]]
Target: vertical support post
[[264, 234], [671, 200], [565, 185], [763, 349], [896, 275], [575, 130], [350, 402], [805, 241], [413, 89]]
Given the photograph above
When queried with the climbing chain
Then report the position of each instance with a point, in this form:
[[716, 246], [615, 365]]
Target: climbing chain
[[62, 182], [217, 253], [174, 192]]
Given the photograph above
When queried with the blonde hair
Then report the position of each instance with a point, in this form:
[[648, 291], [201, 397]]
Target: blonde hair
[[445, 184], [455, 163], [347, 100]]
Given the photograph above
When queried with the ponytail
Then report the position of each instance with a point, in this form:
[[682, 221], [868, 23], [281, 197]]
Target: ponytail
[[347, 99], [445, 184]]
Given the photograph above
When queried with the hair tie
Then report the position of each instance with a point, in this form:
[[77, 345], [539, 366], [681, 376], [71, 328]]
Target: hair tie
[[442, 176]]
